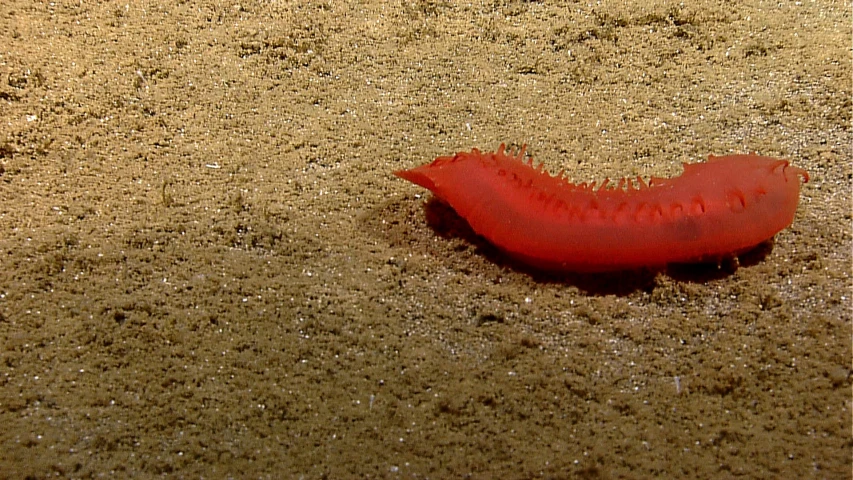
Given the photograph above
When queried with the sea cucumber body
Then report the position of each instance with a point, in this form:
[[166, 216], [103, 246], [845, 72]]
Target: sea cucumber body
[[722, 207]]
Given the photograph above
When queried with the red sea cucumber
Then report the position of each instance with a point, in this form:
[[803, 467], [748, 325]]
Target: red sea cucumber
[[715, 209]]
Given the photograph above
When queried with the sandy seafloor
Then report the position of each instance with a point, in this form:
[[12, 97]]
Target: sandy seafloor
[[208, 270]]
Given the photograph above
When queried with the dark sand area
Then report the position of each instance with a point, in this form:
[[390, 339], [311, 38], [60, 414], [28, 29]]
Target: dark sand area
[[208, 270]]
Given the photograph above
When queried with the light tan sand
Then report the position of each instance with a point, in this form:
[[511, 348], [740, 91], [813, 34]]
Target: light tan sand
[[208, 270]]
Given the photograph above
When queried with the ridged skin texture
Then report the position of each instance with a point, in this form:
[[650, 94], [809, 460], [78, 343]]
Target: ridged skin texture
[[722, 207]]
